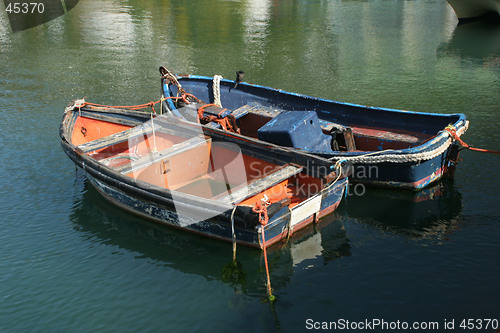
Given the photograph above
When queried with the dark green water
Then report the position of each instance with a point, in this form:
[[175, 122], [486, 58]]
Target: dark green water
[[71, 262]]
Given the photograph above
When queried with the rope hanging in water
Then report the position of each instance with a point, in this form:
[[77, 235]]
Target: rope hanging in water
[[261, 209], [453, 133]]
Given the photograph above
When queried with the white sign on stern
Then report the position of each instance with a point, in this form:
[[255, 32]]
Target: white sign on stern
[[305, 209]]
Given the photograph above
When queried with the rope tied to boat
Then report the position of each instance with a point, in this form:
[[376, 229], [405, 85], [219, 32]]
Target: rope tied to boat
[[130, 107], [228, 123], [338, 171], [81, 103], [216, 90], [167, 75], [453, 132], [261, 209]]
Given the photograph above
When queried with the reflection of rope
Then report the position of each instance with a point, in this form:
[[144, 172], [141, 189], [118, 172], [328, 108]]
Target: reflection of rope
[[216, 90], [233, 234]]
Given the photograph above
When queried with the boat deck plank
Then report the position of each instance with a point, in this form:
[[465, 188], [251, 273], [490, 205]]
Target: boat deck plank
[[116, 138], [155, 157], [262, 184], [326, 126]]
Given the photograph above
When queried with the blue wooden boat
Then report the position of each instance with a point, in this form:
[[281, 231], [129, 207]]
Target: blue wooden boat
[[198, 179], [387, 147]]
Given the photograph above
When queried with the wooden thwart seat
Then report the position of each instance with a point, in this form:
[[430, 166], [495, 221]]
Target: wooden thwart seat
[[155, 157], [116, 138], [245, 109], [327, 127], [262, 184]]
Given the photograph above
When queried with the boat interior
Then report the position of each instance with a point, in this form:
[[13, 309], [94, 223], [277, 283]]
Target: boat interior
[[305, 130], [158, 153]]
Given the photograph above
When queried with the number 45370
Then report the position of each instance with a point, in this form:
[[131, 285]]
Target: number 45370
[[25, 8]]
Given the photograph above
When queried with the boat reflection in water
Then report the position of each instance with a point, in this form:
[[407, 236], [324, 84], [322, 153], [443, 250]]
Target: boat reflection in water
[[102, 222], [475, 40], [430, 213], [467, 10]]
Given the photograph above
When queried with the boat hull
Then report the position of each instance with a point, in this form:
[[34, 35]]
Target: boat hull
[[385, 162], [197, 214], [472, 9], [411, 175], [279, 227]]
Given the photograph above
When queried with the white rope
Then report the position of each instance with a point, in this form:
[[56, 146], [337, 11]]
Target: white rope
[[216, 90], [162, 99], [371, 158]]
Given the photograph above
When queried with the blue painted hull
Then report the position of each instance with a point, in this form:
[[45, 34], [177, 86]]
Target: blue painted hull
[[384, 161]]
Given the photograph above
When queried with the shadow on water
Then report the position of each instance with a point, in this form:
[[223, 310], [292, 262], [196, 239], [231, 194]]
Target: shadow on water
[[100, 221], [430, 213]]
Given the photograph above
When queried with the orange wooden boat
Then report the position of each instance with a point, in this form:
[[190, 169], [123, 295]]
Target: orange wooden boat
[[210, 182]]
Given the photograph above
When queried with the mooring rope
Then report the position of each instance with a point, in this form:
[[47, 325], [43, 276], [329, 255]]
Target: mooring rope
[[80, 103], [131, 107], [166, 74], [261, 209], [453, 133]]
